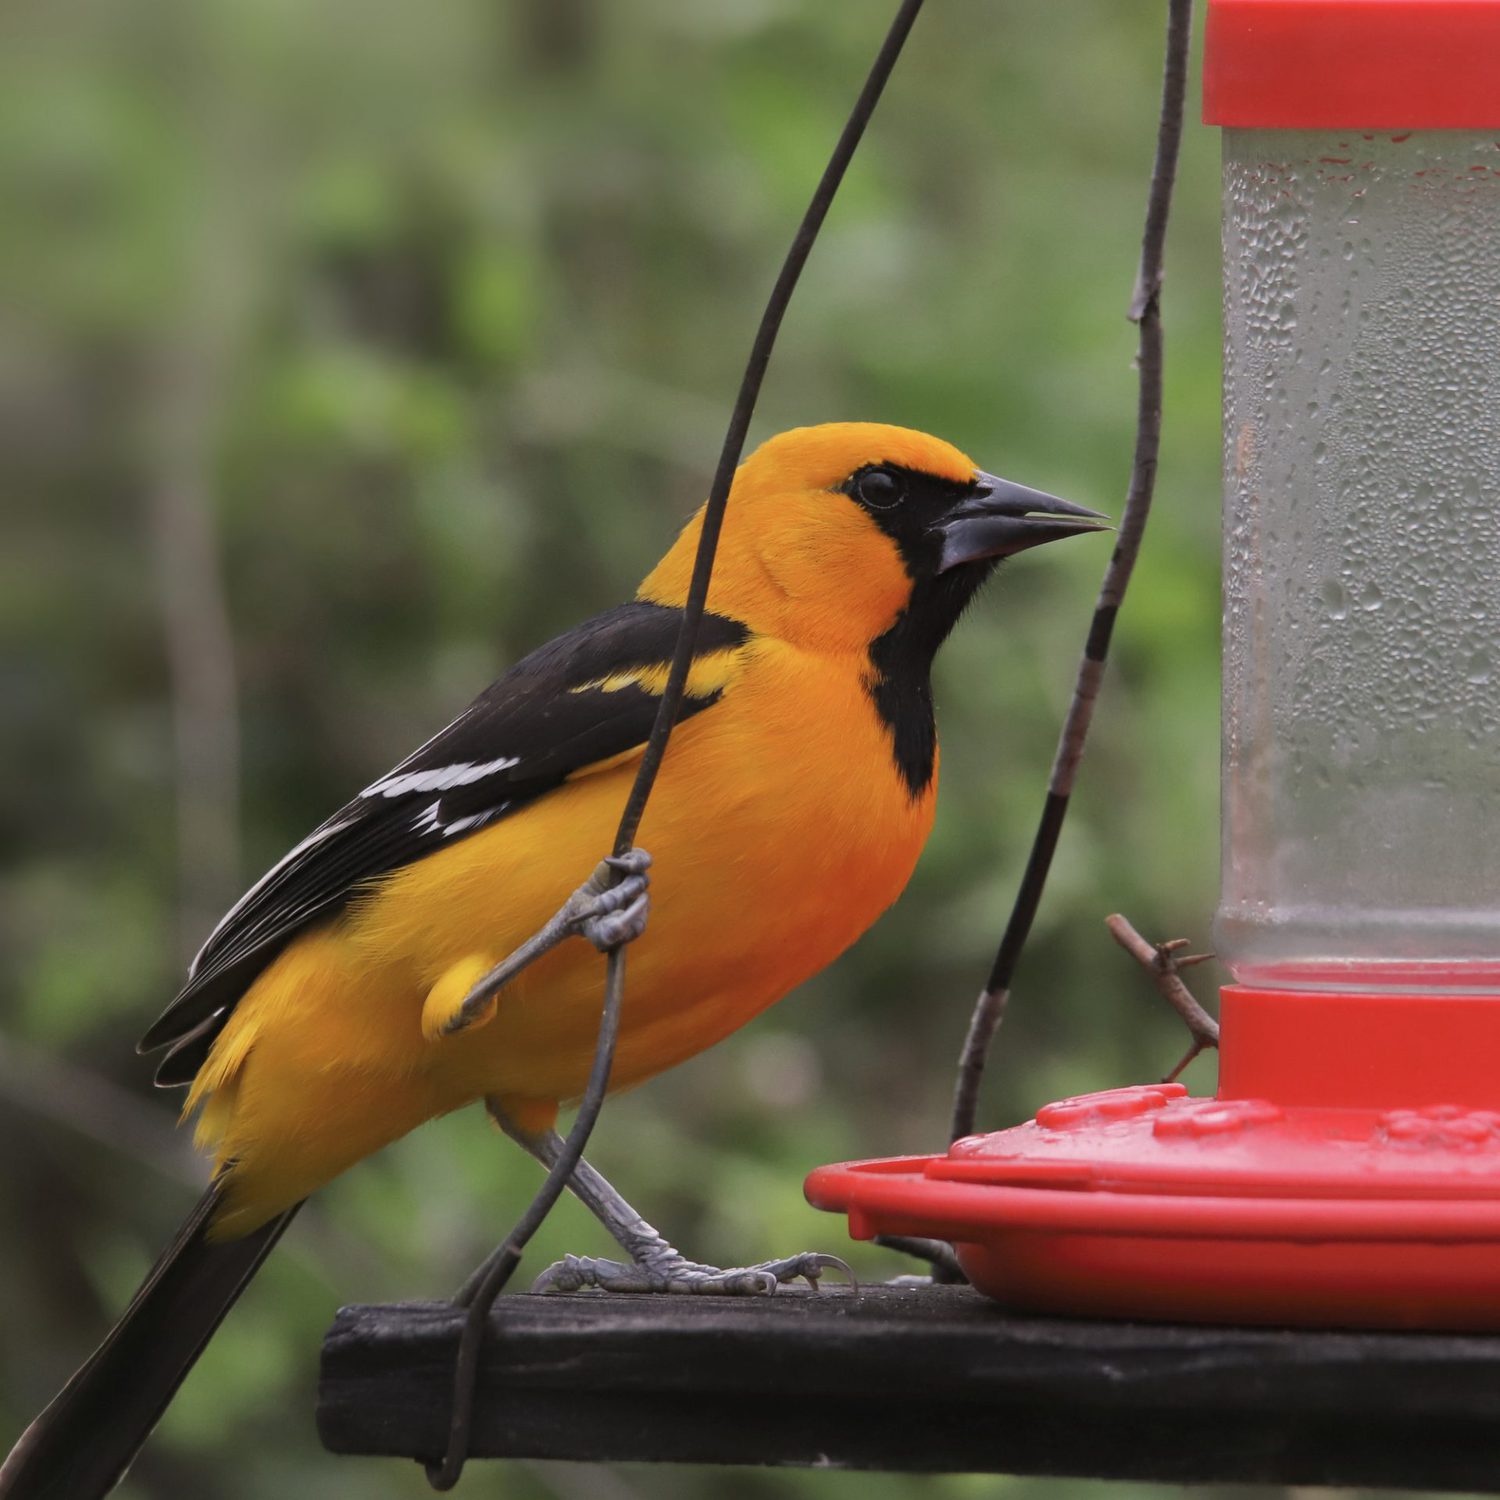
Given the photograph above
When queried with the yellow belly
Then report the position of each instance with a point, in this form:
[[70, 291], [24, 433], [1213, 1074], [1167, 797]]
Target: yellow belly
[[780, 831]]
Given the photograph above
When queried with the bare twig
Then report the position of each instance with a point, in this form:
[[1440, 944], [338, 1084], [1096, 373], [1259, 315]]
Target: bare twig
[[1145, 312], [199, 642], [1162, 962], [97, 1108], [183, 398]]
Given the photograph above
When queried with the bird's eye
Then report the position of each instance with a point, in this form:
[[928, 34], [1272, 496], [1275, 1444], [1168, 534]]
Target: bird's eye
[[880, 489]]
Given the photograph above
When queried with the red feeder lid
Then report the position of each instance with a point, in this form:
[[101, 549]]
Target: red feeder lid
[[1358, 1185], [1353, 64]]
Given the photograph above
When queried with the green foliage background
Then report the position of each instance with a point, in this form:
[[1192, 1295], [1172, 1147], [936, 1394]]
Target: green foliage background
[[399, 338]]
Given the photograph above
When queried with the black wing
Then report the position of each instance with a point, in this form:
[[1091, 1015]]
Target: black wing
[[568, 705]]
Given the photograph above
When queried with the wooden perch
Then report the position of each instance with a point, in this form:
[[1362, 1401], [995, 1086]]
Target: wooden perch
[[931, 1378]]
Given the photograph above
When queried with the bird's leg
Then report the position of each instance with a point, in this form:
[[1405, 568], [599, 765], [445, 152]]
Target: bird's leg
[[654, 1265], [609, 908]]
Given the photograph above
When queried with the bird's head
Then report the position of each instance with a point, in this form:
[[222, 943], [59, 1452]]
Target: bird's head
[[834, 533]]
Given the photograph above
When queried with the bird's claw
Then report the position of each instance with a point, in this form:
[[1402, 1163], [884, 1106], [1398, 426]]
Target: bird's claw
[[609, 908], [612, 906], [674, 1274], [634, 861]]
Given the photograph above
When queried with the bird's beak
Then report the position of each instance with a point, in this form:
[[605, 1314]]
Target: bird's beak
[[998, 518]]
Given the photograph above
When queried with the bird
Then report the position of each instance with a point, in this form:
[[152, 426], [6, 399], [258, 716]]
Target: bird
[[330, 1011]]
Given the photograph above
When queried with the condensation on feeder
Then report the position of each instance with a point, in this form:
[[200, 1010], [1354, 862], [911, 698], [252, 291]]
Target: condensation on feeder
[[1362, 559]]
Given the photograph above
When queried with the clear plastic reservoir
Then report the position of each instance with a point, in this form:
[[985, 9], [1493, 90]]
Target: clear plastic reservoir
[[1361, 819]]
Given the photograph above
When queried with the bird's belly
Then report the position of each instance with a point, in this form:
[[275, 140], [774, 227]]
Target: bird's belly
[[727, 938], [779, 834]]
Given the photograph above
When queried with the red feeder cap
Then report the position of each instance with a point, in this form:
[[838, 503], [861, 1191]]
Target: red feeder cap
[[1353, 64]]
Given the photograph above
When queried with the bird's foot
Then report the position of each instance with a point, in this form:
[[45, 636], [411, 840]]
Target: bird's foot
[[666, 1270], [610, 908]]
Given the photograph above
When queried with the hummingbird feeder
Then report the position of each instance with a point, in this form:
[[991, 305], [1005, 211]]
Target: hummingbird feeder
[[1348, 1170]]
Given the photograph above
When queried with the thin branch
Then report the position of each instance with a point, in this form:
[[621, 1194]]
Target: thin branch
[[183, 400], [97, 1108], [198, 638], [1145, 312], [91, 1105], [1162, 962]]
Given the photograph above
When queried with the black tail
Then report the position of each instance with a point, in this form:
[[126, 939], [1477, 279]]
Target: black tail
[[85, 1440]]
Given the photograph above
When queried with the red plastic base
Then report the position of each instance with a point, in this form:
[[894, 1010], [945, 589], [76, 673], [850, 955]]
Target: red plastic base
[[1372, 1050], [1331, 1182]]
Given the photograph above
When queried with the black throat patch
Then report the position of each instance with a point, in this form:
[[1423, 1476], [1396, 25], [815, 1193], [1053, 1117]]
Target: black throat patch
[[900, 681]]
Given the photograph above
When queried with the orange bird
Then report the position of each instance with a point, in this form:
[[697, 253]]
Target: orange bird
[[326, 1014]]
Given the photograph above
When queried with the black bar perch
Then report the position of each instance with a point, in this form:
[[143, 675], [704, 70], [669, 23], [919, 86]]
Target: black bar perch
[[919, 1379]]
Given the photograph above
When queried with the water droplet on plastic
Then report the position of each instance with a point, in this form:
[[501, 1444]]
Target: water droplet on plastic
[[1362, 705]]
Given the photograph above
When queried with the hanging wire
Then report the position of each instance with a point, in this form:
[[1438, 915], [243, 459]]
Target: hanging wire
[[480, 1294], [744, 409], [1145, 312]]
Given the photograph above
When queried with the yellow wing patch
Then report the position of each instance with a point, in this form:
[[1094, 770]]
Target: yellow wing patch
[[709, 674]]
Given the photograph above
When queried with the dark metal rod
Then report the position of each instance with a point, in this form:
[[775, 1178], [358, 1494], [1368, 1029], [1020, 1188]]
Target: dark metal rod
[[744, 409], [501, 1266]]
